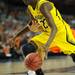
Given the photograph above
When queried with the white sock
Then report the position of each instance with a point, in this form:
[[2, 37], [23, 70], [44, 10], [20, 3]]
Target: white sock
[[30, 72]]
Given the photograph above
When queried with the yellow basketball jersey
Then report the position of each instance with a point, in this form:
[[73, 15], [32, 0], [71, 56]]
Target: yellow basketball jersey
[[63, 34]]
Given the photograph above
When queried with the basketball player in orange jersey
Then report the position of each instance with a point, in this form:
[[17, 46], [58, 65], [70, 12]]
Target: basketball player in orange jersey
[[56, 32]]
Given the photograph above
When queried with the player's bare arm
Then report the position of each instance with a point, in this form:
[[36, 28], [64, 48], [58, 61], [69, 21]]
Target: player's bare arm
[[45, 10]]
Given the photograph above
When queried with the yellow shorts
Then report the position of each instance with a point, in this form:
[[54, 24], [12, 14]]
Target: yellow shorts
[[59, 40]]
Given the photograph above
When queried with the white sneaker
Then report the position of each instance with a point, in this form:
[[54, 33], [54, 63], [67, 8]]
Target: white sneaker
[[31, 72]]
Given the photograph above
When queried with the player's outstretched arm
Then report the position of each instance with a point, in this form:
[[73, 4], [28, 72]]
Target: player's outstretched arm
[[45, 10]]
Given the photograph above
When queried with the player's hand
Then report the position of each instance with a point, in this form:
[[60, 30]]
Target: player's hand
[[43, 51], [35, 27]]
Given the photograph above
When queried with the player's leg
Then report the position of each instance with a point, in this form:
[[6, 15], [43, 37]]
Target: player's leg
[[39, 72], [73, 57], [28, 48]]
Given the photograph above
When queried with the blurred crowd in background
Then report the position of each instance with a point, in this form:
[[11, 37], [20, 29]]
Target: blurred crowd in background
[[13, 19]]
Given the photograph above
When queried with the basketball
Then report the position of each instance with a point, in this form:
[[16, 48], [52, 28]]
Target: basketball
[[33, 61]]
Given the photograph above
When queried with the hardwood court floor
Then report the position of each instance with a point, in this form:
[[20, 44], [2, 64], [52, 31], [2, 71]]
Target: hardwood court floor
[[60, 65]]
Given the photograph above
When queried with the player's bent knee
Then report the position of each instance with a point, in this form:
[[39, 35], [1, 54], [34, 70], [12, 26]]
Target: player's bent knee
[[28, 48]]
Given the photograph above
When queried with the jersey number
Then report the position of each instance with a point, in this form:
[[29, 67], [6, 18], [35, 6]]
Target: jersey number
[[43, 21]]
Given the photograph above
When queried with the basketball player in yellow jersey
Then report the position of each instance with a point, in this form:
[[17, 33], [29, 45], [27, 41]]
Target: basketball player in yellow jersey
[[56, 32]]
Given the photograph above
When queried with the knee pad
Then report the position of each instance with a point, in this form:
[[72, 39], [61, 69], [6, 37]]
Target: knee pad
[[28, 48]]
